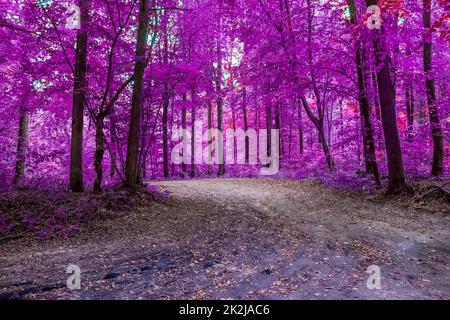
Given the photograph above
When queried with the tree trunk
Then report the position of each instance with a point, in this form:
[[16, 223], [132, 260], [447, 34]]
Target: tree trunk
[[209, 137], [321, 134], [438, 141], [278, 127], [247, 139], [79, 91], [368, 141], [269, 130], [300, 129], [396, 173], [22, 144], [220, 138], [99, 152], [183, 126], [166, 100], [409, 98], [193, 116], [132, 172], [220, 151], [364, 106]]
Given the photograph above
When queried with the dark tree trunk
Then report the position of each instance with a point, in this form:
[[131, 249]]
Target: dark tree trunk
[[132, 172], [79, 91], [183, 126], [220, 152], [193, 116], [396, 173], [220, 139], [364, 106], [409, 98], [269, 130], [112, 125], [166, 100], [99, 152], [368, 141], [247, 139], [300, 129], [22, 144], [278, 127], [209, 137], [438, 141], [318, 123]]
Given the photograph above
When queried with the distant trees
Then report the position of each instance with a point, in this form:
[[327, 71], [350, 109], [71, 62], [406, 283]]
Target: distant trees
[[343, 97]]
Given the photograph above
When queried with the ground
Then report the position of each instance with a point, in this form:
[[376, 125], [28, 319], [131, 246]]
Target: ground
[[242, 239]]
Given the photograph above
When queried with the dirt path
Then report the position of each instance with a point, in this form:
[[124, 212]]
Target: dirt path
[[242, 239]]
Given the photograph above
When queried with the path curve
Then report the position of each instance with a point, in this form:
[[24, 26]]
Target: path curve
[[243, 239]]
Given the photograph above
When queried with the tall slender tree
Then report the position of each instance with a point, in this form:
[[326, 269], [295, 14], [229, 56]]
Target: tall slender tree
[[397, 182], [438, 141], [79, 100], [132, 172]]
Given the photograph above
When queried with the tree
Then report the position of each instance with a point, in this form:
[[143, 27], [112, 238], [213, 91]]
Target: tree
[[397, 182], [368, 141], [132, 174], [79, 100], [438, 141]]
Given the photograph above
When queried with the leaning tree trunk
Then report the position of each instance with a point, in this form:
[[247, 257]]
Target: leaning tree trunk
[[396, 173], [317, 121], [79, 91], [438, 141], [132, 172], [22, 142]]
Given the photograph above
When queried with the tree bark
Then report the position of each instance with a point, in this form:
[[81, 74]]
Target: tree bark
[[166, 100], [79, 91], [438, 141], [364, 106], [321, 134], [22, 144], [269, 130], [183, 126], [193, 116], [409, 98], [220, 151], [301, 143], [247, 139], [99, 152], [132, 172], [209, 137], [397, 182]]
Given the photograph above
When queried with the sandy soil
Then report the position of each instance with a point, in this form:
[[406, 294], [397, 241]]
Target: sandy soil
[[242, 239]]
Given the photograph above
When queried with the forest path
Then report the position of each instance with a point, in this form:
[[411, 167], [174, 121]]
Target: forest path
[[243, 239]]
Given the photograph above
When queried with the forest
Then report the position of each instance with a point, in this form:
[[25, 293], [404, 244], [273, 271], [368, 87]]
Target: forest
[[304, 129]]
